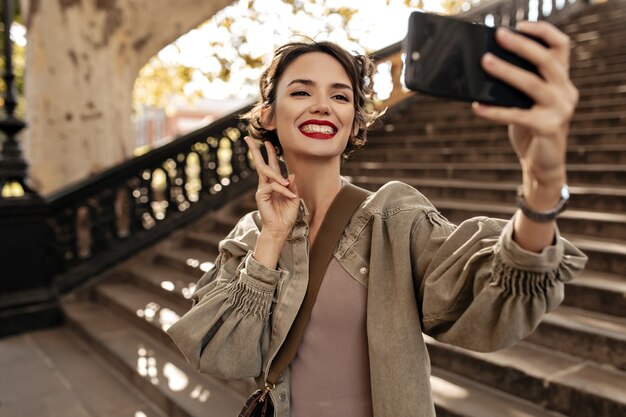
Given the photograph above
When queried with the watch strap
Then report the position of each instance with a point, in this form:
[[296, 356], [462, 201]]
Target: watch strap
[[543, 216]]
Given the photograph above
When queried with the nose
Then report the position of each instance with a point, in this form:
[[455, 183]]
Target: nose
[[321, 106]]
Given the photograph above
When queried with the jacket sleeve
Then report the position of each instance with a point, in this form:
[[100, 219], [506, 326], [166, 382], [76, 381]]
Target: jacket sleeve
[[227, 328], [478, 289]]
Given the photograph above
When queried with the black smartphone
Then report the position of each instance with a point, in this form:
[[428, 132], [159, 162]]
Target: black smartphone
[[443, 59]]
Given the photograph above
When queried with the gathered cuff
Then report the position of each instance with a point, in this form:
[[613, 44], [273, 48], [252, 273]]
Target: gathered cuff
[[516, 257], [249, 299], [252, 293], [515, 281]]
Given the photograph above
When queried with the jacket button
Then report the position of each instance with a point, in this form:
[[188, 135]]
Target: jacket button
[[283, 396], [363, 270]]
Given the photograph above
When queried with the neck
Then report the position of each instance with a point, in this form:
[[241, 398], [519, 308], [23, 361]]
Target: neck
[[318, 182]]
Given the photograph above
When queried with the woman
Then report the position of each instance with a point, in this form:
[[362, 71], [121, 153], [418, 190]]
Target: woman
[[400, 268]]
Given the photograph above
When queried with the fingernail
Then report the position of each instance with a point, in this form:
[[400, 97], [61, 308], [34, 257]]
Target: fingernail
[[504, 32], [488, 58]]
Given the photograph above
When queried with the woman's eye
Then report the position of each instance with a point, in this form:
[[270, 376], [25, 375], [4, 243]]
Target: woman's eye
[[299, 93], [342, 97]]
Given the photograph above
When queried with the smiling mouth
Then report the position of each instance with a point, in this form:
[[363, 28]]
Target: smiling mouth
[[318, 129]]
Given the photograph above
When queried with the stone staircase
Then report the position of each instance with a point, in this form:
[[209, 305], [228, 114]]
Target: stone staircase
[[573, 365]]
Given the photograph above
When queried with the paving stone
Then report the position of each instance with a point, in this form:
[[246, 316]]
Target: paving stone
[[100, 391], [61, 404]]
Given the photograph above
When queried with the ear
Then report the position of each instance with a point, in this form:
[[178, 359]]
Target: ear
[[355, 130], [267, 118]]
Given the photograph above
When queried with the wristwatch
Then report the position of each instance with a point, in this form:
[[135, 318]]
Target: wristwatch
[[543, 216]]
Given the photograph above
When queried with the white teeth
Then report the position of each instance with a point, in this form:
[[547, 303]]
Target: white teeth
[[318, 129]]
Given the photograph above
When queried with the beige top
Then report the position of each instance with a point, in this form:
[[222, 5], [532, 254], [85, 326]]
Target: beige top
[[330, 373]]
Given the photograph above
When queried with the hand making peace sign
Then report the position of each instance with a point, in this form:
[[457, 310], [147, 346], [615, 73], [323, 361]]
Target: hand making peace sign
[[276, 197]]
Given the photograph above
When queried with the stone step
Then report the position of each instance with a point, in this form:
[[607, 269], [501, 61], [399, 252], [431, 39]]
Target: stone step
[[154, 313], [596, 47], [597, 44], [591, 198], [456, 396], [188, 260], [605, 255], [586, 31], [608, 22], [428, 111], [614, 175], [592, 154], [53, 373], [415, 123], [559, 382], [595, 80], [421, 139], [426, 136], [205, 241], [148, 311], [599, 92], [598, 17], [611, 33], [597, 55], [161, 374], [593, 336], [595, 291], [583, 60], [172, 284], [599, 68]]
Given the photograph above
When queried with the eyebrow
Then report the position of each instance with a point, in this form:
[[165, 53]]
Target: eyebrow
[[311, 82]]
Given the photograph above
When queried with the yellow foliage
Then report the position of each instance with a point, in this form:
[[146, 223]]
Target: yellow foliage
[[157, 81]]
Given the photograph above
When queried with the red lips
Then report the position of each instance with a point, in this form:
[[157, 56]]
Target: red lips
[[318, 135]]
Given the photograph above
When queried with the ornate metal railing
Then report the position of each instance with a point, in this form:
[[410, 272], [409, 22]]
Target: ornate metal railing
[[103, 219]]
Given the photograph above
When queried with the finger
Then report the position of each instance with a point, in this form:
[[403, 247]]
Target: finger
[[292, 184], [558, 41], [525, 81], [272, 171], [259, 163], [551, 69], [544, 123], [271, 156], [274, 187]]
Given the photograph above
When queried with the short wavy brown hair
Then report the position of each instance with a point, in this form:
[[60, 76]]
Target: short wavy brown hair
[[359, 68]]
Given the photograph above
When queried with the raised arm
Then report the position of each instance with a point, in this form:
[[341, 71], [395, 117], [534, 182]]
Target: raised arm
[[539, 134]]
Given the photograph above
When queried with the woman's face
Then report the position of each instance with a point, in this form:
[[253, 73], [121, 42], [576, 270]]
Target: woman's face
[[313, 112]]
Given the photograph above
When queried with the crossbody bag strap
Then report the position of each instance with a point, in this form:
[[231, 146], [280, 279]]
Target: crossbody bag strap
[[339, 214]]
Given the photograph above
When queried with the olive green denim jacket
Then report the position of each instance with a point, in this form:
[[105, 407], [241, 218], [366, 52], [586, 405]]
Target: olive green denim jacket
[[471, 286]]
